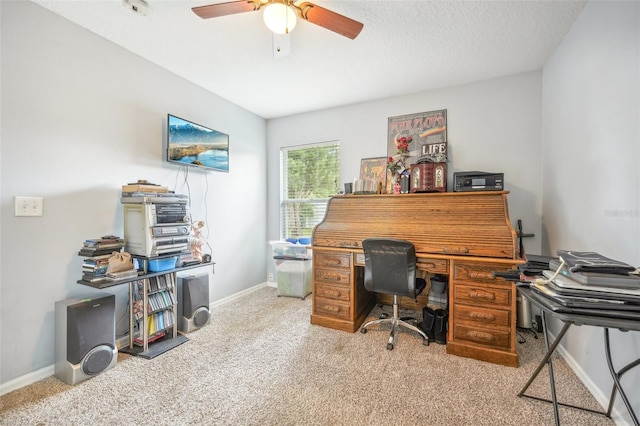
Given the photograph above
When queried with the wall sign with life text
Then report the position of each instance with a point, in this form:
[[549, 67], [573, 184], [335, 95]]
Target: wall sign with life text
[[427, 130]]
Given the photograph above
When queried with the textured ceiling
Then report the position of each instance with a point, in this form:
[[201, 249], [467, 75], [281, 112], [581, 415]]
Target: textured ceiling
[[405, 47]]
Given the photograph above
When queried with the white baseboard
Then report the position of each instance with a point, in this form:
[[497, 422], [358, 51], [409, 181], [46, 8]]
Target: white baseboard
[[237, 295], [27, 379], [43, 373], [121, 342]]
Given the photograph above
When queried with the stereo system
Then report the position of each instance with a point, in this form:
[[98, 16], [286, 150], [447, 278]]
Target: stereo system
[[156, 229], [478, 181], [85, 337], [159, 214], [193, 302]]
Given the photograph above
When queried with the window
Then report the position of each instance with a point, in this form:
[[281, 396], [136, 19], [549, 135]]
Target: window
[[309, 176]]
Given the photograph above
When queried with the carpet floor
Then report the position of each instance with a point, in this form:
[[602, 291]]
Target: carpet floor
[[260, 362]]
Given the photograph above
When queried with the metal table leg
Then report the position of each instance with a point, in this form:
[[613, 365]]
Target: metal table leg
[[547, 360], [552, 382], [617, 387]]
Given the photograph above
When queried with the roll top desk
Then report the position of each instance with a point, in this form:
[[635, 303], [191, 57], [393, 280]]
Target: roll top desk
[[465, 235]]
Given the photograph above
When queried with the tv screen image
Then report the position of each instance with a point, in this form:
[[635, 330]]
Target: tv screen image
[[192, 144]]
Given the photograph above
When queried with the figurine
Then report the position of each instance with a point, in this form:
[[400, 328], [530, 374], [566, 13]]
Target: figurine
[[197, 239]]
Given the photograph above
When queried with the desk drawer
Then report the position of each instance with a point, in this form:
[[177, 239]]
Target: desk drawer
[[481, 316], [332, 260], [483, 336], [481, 295], [436, 266], [476, 272], [333, 276], [330, 291], [331, 308]]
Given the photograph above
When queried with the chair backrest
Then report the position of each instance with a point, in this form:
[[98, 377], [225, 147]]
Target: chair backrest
[[390, 266]]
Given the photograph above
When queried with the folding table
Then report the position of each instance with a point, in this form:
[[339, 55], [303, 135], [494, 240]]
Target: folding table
[[605, 319]]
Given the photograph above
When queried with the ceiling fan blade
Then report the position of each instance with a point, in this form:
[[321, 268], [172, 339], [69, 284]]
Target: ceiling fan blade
[[330, 20], [222, 9]]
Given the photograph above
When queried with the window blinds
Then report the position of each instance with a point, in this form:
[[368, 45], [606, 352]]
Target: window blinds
[[309, 176]]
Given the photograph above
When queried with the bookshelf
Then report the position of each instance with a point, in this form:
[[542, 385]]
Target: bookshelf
[[153, 312]]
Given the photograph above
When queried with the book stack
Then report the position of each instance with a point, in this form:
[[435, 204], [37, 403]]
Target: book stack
[[144, 186], [97, 252], [95, 268], [122, 275], [589, 283], [590, 268], [100, 246]]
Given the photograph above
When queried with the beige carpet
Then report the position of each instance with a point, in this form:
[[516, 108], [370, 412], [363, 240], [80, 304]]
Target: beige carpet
[[260, 362]]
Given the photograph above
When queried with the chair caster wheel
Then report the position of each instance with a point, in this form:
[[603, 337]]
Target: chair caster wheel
[[363, 330], [425, 342], [384, 315], [389, 346]]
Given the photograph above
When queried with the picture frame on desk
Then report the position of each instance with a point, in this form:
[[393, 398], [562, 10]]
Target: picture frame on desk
[[374, 169]]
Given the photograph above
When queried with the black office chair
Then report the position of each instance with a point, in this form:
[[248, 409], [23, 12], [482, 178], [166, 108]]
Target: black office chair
[[390, 267]]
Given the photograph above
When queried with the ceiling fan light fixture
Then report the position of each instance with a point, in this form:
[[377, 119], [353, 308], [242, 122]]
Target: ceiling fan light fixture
[[279, 18]]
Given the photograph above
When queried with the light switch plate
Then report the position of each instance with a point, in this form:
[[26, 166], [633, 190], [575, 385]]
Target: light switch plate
[[28, 206]]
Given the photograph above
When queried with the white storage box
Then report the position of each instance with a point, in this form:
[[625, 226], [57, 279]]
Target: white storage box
[[294, 277], [288, 250]]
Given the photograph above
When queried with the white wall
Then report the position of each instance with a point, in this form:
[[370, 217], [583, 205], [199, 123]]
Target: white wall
[[80, 117], [493, 125], [591, 152]]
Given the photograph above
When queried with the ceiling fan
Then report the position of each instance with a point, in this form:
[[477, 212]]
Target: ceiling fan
[[285, 11]]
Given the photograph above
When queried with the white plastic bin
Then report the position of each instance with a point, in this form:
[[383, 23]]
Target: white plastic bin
[[294, 277], [286, 249]]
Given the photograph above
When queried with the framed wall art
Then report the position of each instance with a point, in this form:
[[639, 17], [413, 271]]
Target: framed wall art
[[409, 135], [374, 169]]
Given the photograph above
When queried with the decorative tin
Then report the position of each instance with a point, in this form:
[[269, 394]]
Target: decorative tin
[[429, 176]]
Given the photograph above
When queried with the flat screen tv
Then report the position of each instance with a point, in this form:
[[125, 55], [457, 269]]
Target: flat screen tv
[[192, 144]]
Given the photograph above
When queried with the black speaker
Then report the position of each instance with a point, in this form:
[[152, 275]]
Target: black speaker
[[193, 302], [85, 337]]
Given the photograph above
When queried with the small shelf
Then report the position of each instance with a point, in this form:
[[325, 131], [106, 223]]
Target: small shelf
[[156, 348], [153, 303], [108, 283]]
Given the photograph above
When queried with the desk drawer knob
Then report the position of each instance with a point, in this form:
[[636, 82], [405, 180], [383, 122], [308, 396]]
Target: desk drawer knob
[[331, 276], [334, 293], [480, 336], [482, 295], [482, 315], [481, 275], [331, 308], [330, 262]]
